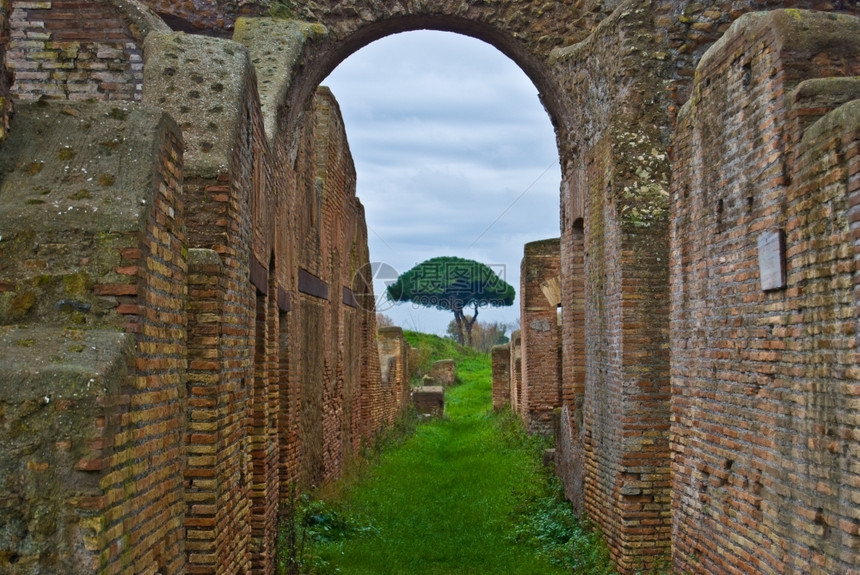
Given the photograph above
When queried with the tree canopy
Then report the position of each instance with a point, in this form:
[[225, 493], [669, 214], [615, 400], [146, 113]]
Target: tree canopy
[[453, 284]]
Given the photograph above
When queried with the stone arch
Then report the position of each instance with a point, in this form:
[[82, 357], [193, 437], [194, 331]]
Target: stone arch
[[609, 108], [610, 77], [323, 57]]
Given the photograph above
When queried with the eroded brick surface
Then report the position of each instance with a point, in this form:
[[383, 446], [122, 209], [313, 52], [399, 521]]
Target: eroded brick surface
[[765, 375], [254, 362], [540, 391]]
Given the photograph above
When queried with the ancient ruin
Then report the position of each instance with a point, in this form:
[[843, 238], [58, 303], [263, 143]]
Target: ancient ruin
[[185, 331]]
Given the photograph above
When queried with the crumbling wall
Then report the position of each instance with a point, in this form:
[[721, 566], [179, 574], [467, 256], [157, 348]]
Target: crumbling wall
[[394, 353], [5, 75], [615, 217], [764, 321], [207, 85], [540, 390], [272, 327], [93, 304], [335, 363], [570, 439], [336, 261], [444, 372], [52, 53], [501, 369], [217, 359], [516, 370]]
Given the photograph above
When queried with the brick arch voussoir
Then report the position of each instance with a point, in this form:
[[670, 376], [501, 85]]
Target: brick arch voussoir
[[344, 38]]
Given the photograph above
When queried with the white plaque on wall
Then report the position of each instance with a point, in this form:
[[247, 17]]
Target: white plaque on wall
[[771, 259]]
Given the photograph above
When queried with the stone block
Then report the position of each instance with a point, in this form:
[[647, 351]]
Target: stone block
[[444, 372], [429, 400]]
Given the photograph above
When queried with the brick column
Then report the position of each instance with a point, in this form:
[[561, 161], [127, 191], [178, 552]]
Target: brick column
[[539, 299], [501, 358]]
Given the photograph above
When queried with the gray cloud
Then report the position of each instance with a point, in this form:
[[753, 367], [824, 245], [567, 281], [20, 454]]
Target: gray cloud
[[447, 134]]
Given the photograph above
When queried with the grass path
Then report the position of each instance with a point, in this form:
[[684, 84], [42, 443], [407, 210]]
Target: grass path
[[446, 500]]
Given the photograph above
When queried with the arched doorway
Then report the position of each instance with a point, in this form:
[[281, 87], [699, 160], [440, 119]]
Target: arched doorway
[[454, 155]]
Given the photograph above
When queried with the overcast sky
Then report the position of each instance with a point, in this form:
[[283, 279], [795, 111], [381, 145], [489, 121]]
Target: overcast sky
[[455, 156]]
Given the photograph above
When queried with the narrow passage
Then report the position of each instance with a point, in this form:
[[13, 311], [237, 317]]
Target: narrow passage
[[451, 499]]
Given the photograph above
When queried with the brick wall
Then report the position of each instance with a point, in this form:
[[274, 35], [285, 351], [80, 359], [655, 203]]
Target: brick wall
[[501, 368], [690, 28], [266, 187], [516, 370], [344, 403], [392, 345], [5, 76], [192, 449], [298, 393], [570, 449], [540, 391], [149, 442], [614, 252], [765, 366], [219, 183], [123, 221], [217, 528], [72, 50]]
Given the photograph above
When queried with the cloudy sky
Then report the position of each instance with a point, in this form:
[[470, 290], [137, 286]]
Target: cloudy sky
[[454, 155]]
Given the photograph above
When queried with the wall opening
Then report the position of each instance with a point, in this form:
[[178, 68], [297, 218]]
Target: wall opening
[[454, 155]]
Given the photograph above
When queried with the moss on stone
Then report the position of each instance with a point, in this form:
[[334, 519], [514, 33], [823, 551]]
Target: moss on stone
[[34, 168], [20, 305], [275, 47], [826, 92], [45, 281], [77, 284], [53, 394], [646, 168], [118, 114], [214, 75], [282, 9], [108, 152], [841, 120], [804, 33]]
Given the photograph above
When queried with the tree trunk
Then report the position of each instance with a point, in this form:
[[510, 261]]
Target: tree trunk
[[469, 324], [458, 319]]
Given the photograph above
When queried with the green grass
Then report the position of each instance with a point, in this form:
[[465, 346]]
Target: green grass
[[440, 347], [466, 494], [428, 348]]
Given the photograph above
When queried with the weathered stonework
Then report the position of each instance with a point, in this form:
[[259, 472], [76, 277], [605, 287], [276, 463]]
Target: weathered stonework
[[50, 53], [93, 239], [395, 380], [501, 366], [765, 378], [516, 369], [429, 400], [252, 254], [540, 388], [237, 378], [444, 372]]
